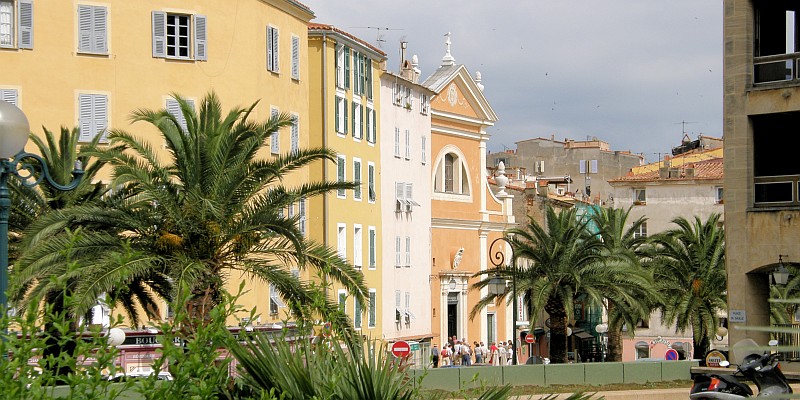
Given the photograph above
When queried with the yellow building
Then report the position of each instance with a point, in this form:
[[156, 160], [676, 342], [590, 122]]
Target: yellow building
[[344, 75], [90, 63], [465, 216]]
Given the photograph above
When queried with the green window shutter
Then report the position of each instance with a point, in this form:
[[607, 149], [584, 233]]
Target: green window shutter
[[346, 67], [25, 13], [337, 122], [200, 41], [344, 111], [369, 78], [159, 34], [355, 128]]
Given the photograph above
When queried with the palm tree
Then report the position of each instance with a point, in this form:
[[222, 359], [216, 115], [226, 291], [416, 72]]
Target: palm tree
[[623, 250], [564, 260], [209, 209], [59, 154], [29, 203], [689, 264]]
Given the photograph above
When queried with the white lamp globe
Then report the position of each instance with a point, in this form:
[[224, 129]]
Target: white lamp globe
[[116, 337], [14, 130]]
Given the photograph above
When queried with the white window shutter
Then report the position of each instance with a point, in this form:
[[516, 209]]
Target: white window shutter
[[159, 34], [295, 134], [85, 117], [408, 251], [275, 137], [275, 51], [9, 96], [397, 251], [101, 116], [25, 23], [269, 48], [593, 166], [582, 168], [295, 57], [200, 41], [100, 40], [85, 19]]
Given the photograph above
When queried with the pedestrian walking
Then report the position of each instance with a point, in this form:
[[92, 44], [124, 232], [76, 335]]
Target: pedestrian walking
[[478, 353], [435, 356]]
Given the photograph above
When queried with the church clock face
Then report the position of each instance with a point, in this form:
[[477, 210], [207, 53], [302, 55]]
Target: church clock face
[[452, 95]]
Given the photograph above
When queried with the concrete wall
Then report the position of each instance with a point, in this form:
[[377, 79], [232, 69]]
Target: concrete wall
[[453, 379]]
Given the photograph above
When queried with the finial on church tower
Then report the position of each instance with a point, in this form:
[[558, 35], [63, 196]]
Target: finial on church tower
[[448, 59]]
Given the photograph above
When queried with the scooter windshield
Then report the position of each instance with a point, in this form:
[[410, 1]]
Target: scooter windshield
[[744, 348]]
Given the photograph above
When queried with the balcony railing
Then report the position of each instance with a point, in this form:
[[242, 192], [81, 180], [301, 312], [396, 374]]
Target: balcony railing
[[777, 191], [776, 69]]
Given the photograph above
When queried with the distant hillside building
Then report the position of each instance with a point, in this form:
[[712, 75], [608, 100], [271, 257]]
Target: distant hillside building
[[589, 164]]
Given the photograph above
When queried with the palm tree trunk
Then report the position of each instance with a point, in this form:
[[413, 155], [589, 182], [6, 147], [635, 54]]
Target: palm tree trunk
[[614, 337], [558, 330]]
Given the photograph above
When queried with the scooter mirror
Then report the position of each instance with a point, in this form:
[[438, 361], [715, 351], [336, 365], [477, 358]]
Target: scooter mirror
[[773, 342], [724, 364]]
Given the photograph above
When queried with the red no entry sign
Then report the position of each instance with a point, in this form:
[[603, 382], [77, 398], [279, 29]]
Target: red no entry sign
[[401, 349], [529, 338]]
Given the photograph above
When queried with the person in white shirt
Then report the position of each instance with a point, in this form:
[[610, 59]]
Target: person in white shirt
[[501, 360]]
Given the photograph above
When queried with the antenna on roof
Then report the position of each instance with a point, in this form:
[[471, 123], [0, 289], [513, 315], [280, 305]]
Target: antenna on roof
[[380, 38], [683, 128]]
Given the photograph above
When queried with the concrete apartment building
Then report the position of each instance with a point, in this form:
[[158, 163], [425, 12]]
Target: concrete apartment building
[[589, 164], [405, 165], [762, 184]]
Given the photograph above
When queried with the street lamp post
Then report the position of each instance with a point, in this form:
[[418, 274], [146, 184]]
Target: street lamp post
[[14, 161], [497, 286], [602, 329]]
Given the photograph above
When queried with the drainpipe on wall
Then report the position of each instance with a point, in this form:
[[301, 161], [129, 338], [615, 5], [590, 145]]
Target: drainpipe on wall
[[325, 144]]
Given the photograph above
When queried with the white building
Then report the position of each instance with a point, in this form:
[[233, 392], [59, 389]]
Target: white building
[[405, 174]]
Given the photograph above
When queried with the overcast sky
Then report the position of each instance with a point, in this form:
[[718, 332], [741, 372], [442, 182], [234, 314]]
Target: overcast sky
[[625, 71]]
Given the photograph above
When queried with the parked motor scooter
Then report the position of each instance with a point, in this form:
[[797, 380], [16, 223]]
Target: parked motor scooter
[[763, 369]]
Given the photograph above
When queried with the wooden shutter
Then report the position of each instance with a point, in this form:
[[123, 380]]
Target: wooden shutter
[[374, 127], [354, 119], [295, 133], [100, 39], [200, 41], [275, 51], [25, 23], [344, 111], [369, 77], [269, 48], [9, 96], [100, 116], [337, 112], [85, 121], [346, 67], [295, 57], [397, 251], [85, 28], [159, 34]]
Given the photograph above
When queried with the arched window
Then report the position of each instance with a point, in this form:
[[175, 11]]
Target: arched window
[[642, 350], [449, 161], [451, 175]]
